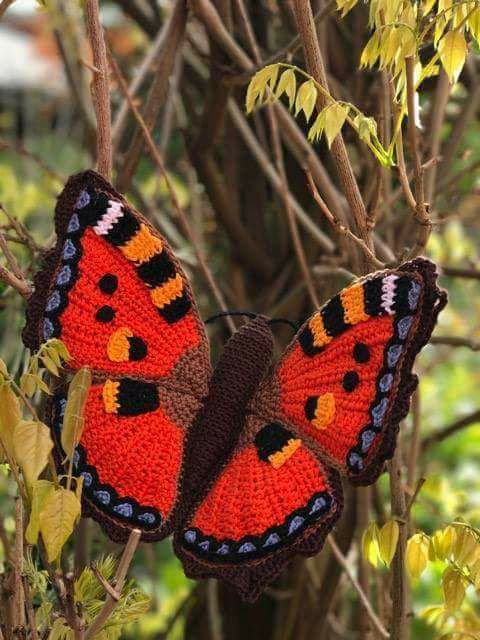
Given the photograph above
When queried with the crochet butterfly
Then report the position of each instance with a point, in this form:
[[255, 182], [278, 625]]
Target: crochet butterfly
[[242, 465]]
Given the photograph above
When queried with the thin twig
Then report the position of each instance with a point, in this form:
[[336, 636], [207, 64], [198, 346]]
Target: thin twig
[[214, 617], [22, 151], [363, 598], [456, 272], [456, 341], [422, 215], [450, 430], [32, 622], [23, 287], [101, 88], [340, 227], [119, 580], [19, 600], [111, 591], [158, 159], [316, 68]]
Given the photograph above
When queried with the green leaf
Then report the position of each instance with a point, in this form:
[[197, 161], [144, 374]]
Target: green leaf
[[73, 421], [28, 384], [453, 586], [452, 50], [41, 490], [287, 84], [58, 517], [306, 99], [266, 77], [32, 446], [370, 548], [387, 541], [335, 117], [10, 416], [416, 558]]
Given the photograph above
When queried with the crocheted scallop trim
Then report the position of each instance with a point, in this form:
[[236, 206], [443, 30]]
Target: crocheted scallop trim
[[251, 547], [104, 497]]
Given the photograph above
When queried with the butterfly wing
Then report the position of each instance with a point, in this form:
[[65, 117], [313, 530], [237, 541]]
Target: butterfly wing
[[274, 499], [346, 379], [112, 290], [265, 493]]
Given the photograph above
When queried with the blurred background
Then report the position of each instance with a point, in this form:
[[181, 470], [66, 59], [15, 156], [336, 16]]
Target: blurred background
[[191, 91]]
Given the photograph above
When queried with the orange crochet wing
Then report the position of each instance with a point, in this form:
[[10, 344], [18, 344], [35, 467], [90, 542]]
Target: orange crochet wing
[[346, 379], [255, 493], [274, 499], [112, 290]]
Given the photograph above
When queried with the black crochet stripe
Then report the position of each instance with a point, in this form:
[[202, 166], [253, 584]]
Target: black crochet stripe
[[271, 439], [157, 270], [135, 397], [333, 317]]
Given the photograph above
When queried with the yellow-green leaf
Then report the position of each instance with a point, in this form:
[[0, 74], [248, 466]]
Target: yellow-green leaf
[[266, 77], [3, 368], [387, 541], [444, 542], [370, 548], [58, 517], [416, 557], [73, 421], [371, 51], [335, 117], [10, 416], [49, 364], [287, 84], [465, 545], [317, 127], [452, 50], [41, 489], [453, 586], [28, 384], [32, 446], [306, 98]]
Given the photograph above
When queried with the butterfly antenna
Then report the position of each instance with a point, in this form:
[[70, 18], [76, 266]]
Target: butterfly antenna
[[252, 316]]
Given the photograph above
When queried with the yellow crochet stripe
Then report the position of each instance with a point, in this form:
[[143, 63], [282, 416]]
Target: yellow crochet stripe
[[325, 411], [118, 346], [320, 336], [142, 246], [110, 393], [165, 293], [279, 458], [353, 301]]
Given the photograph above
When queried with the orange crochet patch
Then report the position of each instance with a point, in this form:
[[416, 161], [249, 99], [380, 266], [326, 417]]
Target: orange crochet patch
[[251, 496], [88, 339], [138, 455]]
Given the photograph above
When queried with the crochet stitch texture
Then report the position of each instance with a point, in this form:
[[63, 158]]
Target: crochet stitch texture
[[243, 465]]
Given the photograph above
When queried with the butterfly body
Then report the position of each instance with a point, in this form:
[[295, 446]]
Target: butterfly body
[[242, 465]]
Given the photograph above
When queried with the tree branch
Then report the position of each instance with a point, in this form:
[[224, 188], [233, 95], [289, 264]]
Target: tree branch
[[119, 580], [101, 88], [450, 430]]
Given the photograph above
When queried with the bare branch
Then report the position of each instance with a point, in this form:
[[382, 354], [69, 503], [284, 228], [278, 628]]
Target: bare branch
[[101, 89], [450, 430], [119, 580]]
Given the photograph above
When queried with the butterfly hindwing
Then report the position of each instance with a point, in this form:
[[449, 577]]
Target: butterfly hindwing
[[274, 498], [346, 380]]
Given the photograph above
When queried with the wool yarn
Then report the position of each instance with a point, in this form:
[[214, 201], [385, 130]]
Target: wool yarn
[[242, 465]]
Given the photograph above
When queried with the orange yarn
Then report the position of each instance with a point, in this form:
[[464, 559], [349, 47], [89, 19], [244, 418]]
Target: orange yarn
[[87, 340]]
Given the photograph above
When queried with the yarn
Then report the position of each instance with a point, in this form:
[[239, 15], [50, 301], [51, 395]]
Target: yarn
[[244, 465]]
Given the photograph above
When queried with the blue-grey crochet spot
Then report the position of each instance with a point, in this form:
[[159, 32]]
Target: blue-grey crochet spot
[[205, 545], [367, 438], [68, 250], [82, 200], [272, 539], [64, 275], [87, 478], [53, 301], [318, 505], [73, 224], [147, 517], [295, 524], [125, 509], [385, 382], [63, 405], [403, 327], [223, 549], [394, 354], [190, 536], [378, 412], [355, 460], [102, 496], [76, 458], [247, 547], [47, 329], [413, 295]]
